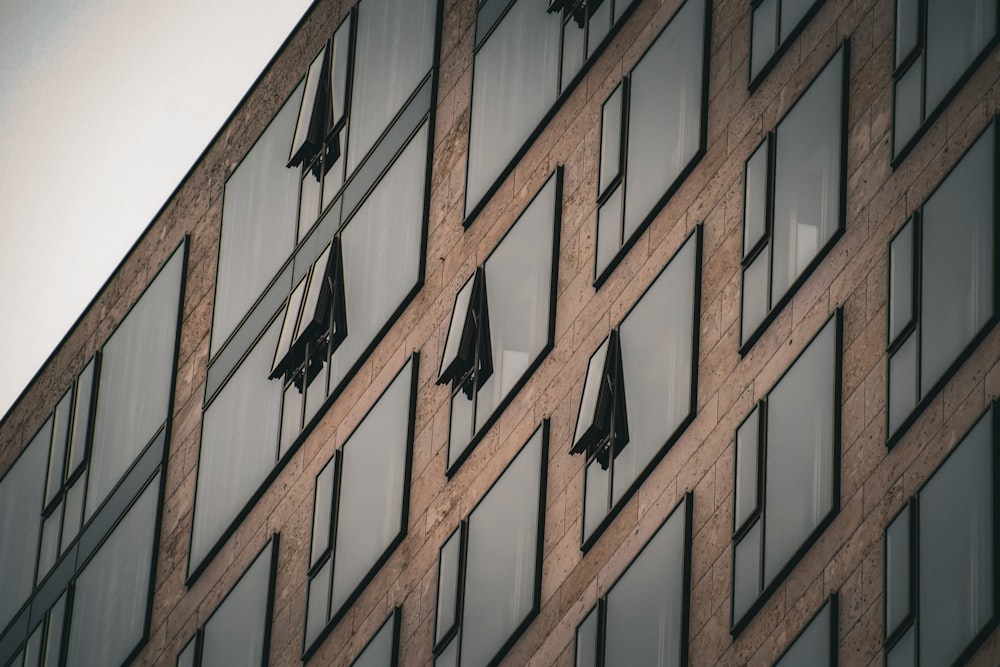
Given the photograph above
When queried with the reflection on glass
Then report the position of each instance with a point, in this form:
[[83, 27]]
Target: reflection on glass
[[318, 606], [764, 40], [755, 200], [956, 33], [609, 229], [611, 138], [54, 632], [902, 652], [792, 11], [907, 28], [907, 106], [586, 641], [746, 468], [755, 301], [57, 450], [903, 394], [900, 281], [322, 508], [897, 571], [812, 648], [746, 571], [379, 651], [447, 593]]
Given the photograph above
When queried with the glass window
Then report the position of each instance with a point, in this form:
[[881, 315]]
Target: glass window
[[660, 111], [526, 55], [644, 615], [511, 324], [499, 578], [640, 389], [948, 246], [238, 631], [938, 42], [364, 492], [816, 645], [773, 25], [793, 205], [383, 649], [952, 602], [799, 454]]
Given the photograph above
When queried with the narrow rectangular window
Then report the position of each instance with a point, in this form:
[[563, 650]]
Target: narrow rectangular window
[[816, 645], [773, 26]]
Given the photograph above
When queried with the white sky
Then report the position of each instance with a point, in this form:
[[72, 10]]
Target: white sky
[[104, 106]]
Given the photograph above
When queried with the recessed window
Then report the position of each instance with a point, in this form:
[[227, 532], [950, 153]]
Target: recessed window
[[360, 508], [793, 209], [940, 550], [383, 649], [502, 322], [643, 619], [489, 572], [640, 389], [816, 645], [941, 284], [786, 488], [653, 132], [239, 630], [937, 45], [527, 53], [773, 26]]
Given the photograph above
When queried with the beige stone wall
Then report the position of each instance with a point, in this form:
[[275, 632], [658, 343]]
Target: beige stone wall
[[847, 558]]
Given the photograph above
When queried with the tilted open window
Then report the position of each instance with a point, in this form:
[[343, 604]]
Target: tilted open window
[[468, 354], [602, 427]]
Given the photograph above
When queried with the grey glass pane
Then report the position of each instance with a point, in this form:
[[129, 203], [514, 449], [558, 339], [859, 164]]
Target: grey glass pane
[[955, 563], [57, 450], [333, 180], [798, 492], [460, 429], [901, 280], [907, 28], [620, 7], [378, 652], [755, 199], [187, 654], [322, 510], [903, 394], [515, 81], [309, 203], [807, 177], [573, 52], [33, 648], [746, 571], [764, 26], [611, 138], [73, 512], [957, 261], [259, 208], [500, 566], [746, 468], [137, 367], [897, 571], [291, 418], [21, 492], [54, 632], [591, 388], [372, 486], [393, 52], [18, 660], [957, 30], [902, 653], [645, 608], [907, 107], [449, 656], [754, 297], [447, 592], [381, 247], [519, 285], [812, 647], [238, 444], [665, 99], [293, 306], [304, 119], [318, 607], [81, 417], [599, 24], [657, 340], [596, 496], [792, 11], [459, 313], [48, 549], [586, 641], [111, 597], [234, 635], [609, 229]]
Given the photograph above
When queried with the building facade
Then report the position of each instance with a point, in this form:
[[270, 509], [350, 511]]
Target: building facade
[[556, 333]]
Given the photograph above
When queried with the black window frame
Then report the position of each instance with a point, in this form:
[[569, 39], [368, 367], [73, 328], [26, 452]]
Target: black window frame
[[833, 640], [309, 649], [758, 516], [601, 275], [912, 328], [782, 46], [765, 243], [396, 618]]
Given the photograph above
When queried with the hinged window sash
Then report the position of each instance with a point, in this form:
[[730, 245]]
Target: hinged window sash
[[468, 354], [602, 425]]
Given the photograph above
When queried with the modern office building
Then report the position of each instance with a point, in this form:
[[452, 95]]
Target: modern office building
[[548, 332]]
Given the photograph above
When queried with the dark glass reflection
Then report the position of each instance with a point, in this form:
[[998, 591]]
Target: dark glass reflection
[[955, 563], [812, 647], [379, 651], [897, 571], [903, 394], [73, 512], [501, 574], [902, 653], [764, 40], [447, 592], [57, 450], [900, 280], [755, 293], [755, 198], [956, 33], [54, 632], [907, 105], [907, 28], [48, 548], [792, 11]]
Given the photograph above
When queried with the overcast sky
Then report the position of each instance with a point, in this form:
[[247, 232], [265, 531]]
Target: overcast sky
[[104, 106]]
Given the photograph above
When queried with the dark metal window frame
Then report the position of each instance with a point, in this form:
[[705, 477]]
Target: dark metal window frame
[[515, 389], [781, 46], [395, 617], [927, 118], [686, 505], [308, 650], [737, 625], [832, 636], [913, 327], [588, 541], [363, 182], [602, 275], [455, 634], [892, 637], [566, 89], [775, 307]]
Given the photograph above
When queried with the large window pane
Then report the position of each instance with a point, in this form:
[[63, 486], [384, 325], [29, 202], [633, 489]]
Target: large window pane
[[957, 30]]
